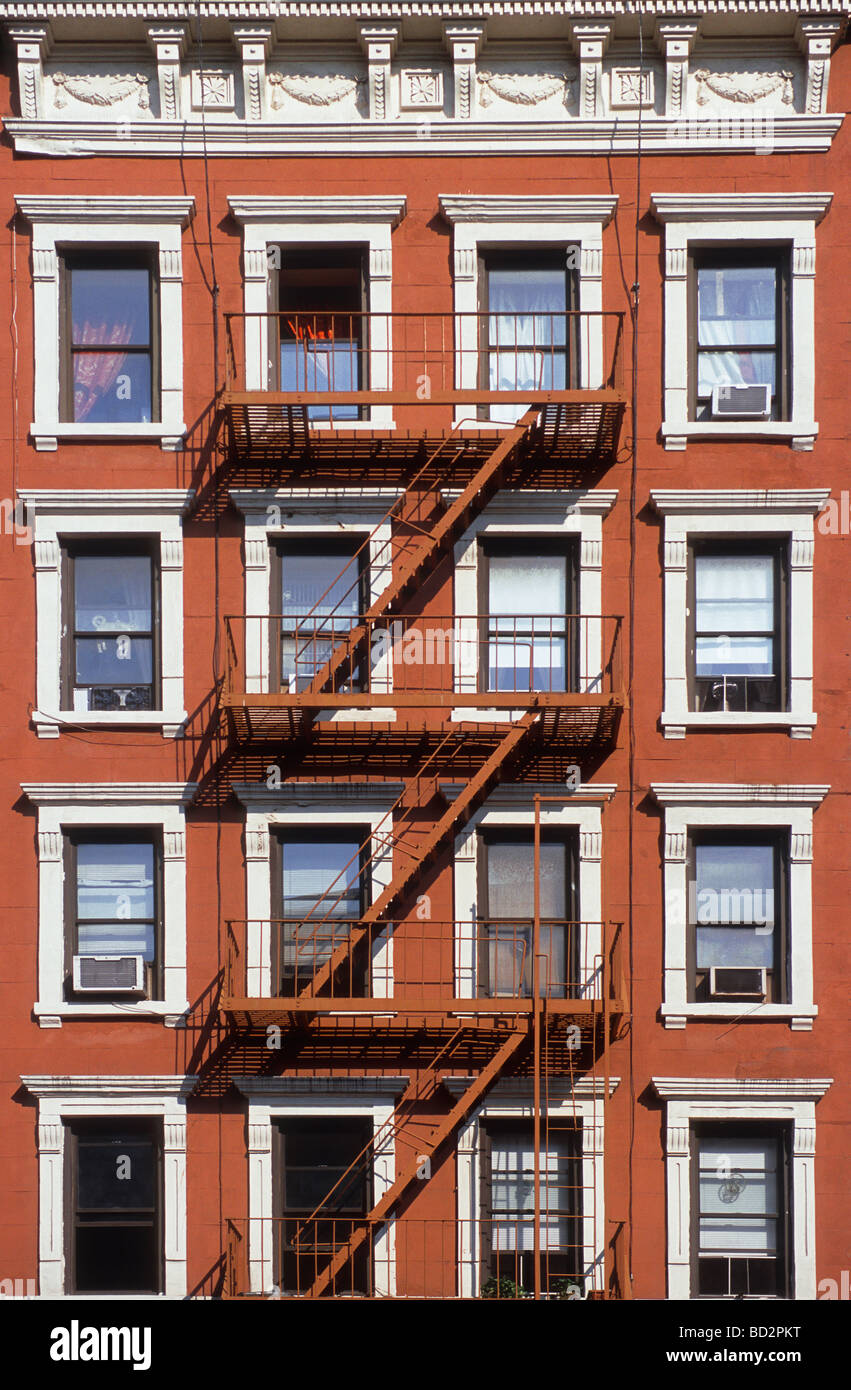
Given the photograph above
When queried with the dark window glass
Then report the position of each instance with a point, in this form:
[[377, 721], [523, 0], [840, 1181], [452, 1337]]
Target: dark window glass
[[509, 1207], [326, 1185], [323, 326], [322, 592], [116, 1200], [738, 627], [506, 956], [110, 342], [112, 653], [742, 1214]]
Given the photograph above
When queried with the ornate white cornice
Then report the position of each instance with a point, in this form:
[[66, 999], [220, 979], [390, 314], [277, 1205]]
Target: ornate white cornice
[[679, 501], [257, 796], [371, 10], [534, 208], [268, 1087], [739, 207], [357, 208], [133, 501], [736, 794], [136, 209], [516, 794], [707, 1088], [110, 793], [61, 1087], [600, 136]]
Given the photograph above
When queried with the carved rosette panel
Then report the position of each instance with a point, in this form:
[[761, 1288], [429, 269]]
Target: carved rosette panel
[[317, 89], [421, 89], [523, 88], [213, 90], [631, 88], [745, 88], [100, 89]]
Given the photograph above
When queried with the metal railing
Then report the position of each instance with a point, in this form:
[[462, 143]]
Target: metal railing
[[292, 654], [325, 353], [427, 964], [409, 1257]]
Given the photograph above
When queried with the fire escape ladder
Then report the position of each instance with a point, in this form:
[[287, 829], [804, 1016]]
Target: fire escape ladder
[[453, 819], [413, 568], [473, 1095]]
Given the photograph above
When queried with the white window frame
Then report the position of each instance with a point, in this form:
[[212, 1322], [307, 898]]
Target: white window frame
[[300, 514], [272, 1098], [552, 515], [64, 806], [321, 806], [739, 515], [60, 221], [511, 806], [689, 1100], [510, 223], [699, 806], [62, 1098], [269, 221], [748, 220], [512, 1100], [65, 514]]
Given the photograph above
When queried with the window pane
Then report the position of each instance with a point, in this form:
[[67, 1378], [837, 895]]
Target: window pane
[[511, 878], [112, 593], [115, 881], [734, 656], [118, 1173], [737, 304], [118, 660], [312, 869], [527, 585], [734, 593], [739, 1193], [112, 388], [734, 946], [735, 369], [111, 306], [734, 884], [306, 577]]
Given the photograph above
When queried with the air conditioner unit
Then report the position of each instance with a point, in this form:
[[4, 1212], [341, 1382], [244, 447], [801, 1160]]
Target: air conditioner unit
[[109, 974], [750, 402], [737, 982]]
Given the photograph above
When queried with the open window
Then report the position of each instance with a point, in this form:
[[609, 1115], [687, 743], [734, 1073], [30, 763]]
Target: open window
[[508, 1210], [111, 627], [739, 332], [507, 871], [319, 588], [324, 1190], [738, 624], [741, 1237], [114, 1178], [529, 599], [113, 913], [738, 916], [323, 325], [109, 346], [320, 881], [528, 339]]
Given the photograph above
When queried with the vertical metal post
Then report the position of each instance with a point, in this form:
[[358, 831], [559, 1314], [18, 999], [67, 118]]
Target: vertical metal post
[[536, 1044]]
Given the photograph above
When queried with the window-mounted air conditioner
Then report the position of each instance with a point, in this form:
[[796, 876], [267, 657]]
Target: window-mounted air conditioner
[[109, 974], [750, 402], [737, 982]]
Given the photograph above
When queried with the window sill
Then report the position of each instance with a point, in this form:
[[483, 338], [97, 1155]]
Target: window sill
[[799, 1017], [172, 1016], [46, 436], [800, 433], [676, 725], [171, 722]]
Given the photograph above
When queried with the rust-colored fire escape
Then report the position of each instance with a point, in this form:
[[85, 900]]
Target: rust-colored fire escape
[[433, 1008]]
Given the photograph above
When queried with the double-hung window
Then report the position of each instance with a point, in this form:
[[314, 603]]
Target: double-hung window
[[738, 916], [114, 1172], [508, 1211], [113, 915], [506, 962], [531, 629], [741, 1237], [111, 627], [325, 1186], [528, 339], [322, 891], [109, 351], [740, 334], [738, 620], [323, 325], [319, 590]]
